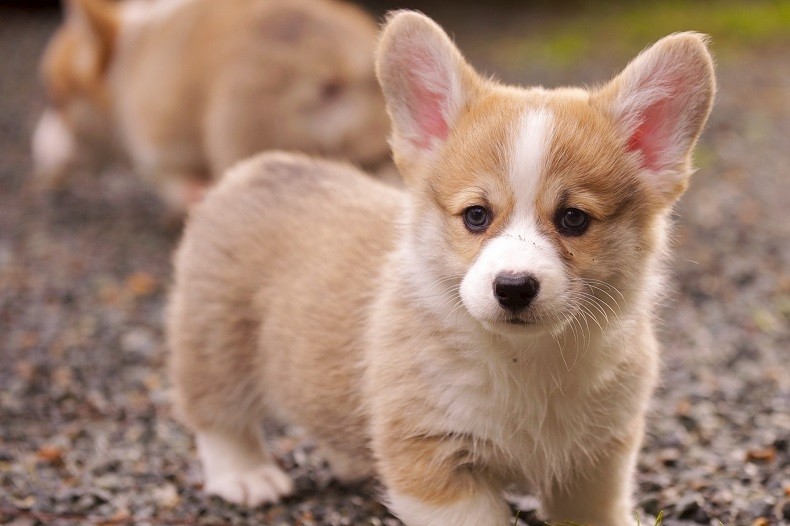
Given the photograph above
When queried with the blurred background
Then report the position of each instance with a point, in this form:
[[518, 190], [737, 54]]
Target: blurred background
[[85, 431]]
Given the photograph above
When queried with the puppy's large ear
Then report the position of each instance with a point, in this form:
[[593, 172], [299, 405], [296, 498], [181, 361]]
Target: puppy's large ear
[[660, 103], [102, 20], [426, 82]]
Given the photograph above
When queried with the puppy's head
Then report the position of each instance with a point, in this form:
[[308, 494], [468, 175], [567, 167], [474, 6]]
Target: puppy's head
[[540, 206], [325, 98], [76, 124]]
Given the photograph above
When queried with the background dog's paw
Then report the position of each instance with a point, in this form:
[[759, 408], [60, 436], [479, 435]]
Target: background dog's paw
[[261, 485]]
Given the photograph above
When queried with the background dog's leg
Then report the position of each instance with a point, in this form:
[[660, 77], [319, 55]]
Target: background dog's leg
[[180, 192]]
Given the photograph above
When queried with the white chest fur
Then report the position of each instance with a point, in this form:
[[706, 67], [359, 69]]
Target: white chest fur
[[544, 409]]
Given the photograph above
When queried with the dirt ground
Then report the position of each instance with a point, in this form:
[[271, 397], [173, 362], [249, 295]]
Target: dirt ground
[[85, 431]]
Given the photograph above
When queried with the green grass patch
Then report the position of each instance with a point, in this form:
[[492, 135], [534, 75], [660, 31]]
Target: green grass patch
[[622, 28]]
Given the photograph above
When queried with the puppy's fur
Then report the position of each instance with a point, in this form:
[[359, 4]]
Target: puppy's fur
[[370, 317], [185, 88]]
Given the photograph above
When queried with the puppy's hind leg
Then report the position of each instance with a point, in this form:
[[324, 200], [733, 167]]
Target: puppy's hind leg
[[238, 468], [216, 386], [220, 407]]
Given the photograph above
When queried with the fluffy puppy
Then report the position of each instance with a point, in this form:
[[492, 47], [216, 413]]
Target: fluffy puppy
[[490, 328], [185, 88]]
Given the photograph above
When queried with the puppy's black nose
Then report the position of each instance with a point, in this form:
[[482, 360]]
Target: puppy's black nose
[[515, 291]]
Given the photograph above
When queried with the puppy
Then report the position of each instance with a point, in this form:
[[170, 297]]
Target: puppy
[[185, 88], [490, 328]]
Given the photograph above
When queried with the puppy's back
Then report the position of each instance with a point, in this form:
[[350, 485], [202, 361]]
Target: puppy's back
[[240, 318]]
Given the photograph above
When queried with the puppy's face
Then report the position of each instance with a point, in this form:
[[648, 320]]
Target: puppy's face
[[541, 207], [549, 219], [76, 126]]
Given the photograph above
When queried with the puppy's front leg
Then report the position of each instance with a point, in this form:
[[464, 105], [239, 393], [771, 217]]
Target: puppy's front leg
[[601, 494], [431, 482]]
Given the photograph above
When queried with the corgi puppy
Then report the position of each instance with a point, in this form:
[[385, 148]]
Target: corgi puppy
[[490, 328], [185, 88]]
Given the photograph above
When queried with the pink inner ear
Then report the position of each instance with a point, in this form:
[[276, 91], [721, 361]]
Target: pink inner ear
[[427, 97], [428, 116], [652, 136]]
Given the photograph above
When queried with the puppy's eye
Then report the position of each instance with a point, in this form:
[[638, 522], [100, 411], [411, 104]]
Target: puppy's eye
[[572, 222], [476, 218], [332, 89]]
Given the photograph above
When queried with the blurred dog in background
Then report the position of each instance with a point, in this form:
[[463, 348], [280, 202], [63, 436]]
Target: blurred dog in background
[[182, 89]]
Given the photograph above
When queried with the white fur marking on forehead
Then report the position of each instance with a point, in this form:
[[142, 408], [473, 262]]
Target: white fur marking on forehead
[[140, 11], [531, 141]]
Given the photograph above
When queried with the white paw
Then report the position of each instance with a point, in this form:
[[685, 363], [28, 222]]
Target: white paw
[[345, 468], [261, 485]]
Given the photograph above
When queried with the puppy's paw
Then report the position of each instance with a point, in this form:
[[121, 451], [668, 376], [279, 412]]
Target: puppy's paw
[[264, 484], [347, 470]]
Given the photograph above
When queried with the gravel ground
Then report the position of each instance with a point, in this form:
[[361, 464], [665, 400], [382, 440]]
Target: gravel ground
[[85, 431]]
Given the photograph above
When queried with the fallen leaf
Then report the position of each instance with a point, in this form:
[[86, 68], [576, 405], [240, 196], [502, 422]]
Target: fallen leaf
[[50, 453], [683, 408], [141, 284], [761, 454]]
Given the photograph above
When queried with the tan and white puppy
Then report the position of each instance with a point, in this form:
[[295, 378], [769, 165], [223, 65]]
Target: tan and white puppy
[[185, 88], [491, 328]]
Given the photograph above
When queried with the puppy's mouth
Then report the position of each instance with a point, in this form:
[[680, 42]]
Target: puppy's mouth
[[512, 325], [523, 323]]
